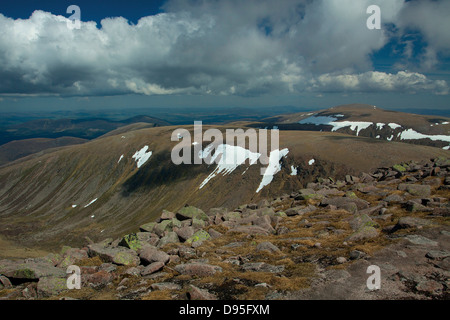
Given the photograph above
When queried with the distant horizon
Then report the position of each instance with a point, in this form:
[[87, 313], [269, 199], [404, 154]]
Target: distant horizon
[[162, 112]]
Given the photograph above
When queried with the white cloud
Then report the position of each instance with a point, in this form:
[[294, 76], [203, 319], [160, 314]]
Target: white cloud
[[430, 18], [372, 81], [245, 48]]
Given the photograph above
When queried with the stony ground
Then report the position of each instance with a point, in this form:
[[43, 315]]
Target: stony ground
[[316, 243]]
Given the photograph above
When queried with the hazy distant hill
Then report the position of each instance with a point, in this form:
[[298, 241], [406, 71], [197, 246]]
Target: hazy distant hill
[[369, 121], [21, 148], [88, 128]]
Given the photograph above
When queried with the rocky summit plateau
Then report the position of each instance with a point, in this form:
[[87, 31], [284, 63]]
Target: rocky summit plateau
[[316, 242]]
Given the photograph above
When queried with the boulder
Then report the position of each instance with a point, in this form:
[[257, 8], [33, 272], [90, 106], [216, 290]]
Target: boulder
[[72, 256], [300, 210], [190, 213], [361, 221], [170, 237], [265, 223], [184, 233], [51, 286], [119, 255], [421, 241], [131, 241], [414, 206], [437, 254], [214, 234], [152, 268], [29, 270], [197, 269], [198, 223], [148, 227], [306, 194], [5, 283], [98, 279], [266, 211], [363, 234], [232, 216], [267, 246], [195, 293], [346, 203], [411, 222], [394, 198], [165, 286], [150, 254], [187, 252], [167, 215], [162, 227], [199, 236], [418, 190]]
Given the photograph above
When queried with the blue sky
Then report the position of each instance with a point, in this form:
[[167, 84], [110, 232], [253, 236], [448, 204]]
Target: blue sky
[[233, 53]]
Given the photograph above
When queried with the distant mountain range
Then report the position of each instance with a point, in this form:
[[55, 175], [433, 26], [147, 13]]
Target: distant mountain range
[[19, 140], [369, 121]]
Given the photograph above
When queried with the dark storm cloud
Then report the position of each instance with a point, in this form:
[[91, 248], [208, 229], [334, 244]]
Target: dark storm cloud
[[245, 48]]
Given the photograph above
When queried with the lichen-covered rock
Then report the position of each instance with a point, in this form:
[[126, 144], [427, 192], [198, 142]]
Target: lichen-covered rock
[[361, 221], [148, 227], [29, 270], [200, 235], [418, 190], [51, 286], [364, 233], [306, 194], [171, 237], [118, 255], [232, 216], [191, 212], [72, 256]]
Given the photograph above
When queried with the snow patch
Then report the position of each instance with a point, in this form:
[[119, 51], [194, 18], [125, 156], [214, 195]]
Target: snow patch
[[380, 126], [230, 158], [411, 134], [120, 159], [311, 162], [74, 206], [293, 171], [446, 148], [390, 139], [394, 126], [142, 156], [331, 121], [90, 203], [273, 168], [354, 125]]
